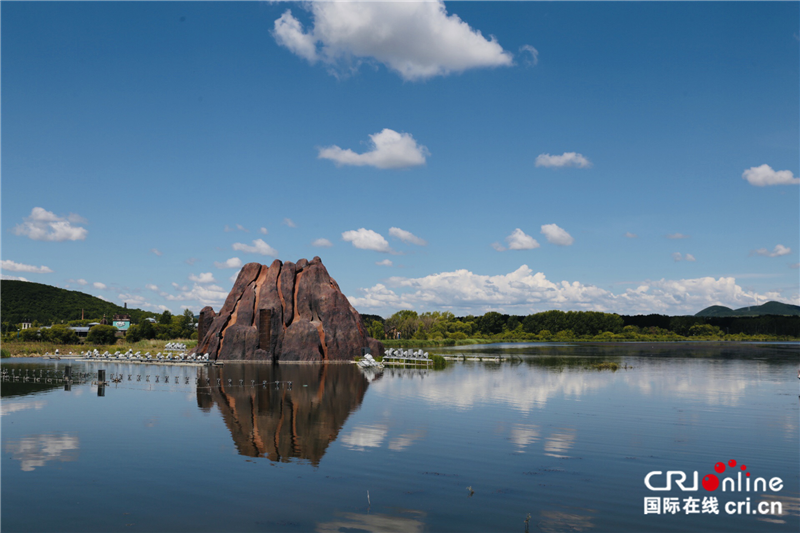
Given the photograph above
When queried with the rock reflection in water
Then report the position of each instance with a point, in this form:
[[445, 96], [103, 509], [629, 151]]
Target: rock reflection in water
[[278, 422]]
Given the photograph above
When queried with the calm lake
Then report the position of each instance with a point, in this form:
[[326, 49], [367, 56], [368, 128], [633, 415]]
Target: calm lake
[[540, 435]]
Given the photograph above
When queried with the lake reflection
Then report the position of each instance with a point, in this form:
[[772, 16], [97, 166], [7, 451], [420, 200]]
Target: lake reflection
[[478, 446], [279, 421]]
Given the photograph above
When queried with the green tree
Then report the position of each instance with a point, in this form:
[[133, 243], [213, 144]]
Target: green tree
[[165, 318], [61, 334], [102, 334], [376, 330], [134, 334]]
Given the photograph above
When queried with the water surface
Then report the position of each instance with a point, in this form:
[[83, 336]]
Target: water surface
[[478, 446]]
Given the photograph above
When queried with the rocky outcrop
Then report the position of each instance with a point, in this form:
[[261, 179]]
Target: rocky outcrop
[[285, 312]]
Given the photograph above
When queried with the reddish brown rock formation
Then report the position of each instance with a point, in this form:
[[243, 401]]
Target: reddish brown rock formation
[[285, 312]]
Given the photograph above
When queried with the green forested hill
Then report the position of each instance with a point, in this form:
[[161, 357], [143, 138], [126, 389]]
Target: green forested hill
[[20, 300], [769, 308]]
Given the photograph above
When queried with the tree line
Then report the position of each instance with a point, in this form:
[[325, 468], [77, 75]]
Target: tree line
[[555, 324]]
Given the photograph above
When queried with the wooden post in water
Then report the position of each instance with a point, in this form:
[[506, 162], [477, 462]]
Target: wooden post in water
[[264, 328]]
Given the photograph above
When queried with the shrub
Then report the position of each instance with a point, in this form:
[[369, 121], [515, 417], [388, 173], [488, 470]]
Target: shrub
[[4, 353], [102, 334]]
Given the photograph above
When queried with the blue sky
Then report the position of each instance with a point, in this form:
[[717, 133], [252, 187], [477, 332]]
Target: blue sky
[[625, 157]]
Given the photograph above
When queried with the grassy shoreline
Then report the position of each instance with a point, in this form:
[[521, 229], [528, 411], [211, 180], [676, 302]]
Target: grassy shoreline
[[39, 349]]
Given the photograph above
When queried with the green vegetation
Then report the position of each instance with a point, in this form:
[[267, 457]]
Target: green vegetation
[[407, 328], [102, 335], [605, 365], [25, 300], [4, 353]]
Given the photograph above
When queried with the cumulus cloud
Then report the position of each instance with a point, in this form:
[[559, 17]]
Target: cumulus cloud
[[213, 295], [242, 228], [152, 287], [99, 285], [778, 251], [366, 239], [156, 251], [134, 300], [518, 240], [385, 262], [690, 257], [407, 237], [12, 266], [677, 236], [524, 291], [388, 149], [764, 175], [288, 222], [258, 247], [203, 277], [233, 262], [567, 159], [12, 278], [263, 231], [322, 243], [557, 235], [80, 281], [43, 225], [630, 235], [533, 60], [417, 40], [191, 261]]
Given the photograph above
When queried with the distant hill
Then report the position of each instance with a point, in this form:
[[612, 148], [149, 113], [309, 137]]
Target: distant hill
[[769, 308], [20, 300]]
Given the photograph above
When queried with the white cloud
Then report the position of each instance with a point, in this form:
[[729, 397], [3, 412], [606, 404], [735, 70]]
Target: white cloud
[[534, 55], [677, 256], [407, 237], [322, 243], [417, 40], [567, 159], [13, 278], [690, 257], [259, 247], [794, 265], [233, 262], [134, 300], [677, 236], [385, 262], [263, 231], [191, 261], [499, 247], [12, 266], [288, 222], [98, 285], [156, 251], [242, 228], [777, 252], [227, 229], [764, 175], [524, 291], [366, 239], [213, 295], [630, 235], [388, 149], [518, 240], [152, 287], [43, 225], [35, 451], [557, 235], [81, 281], [203, 277]]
